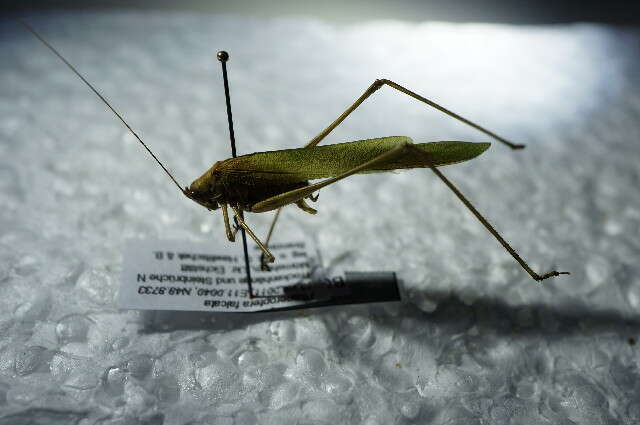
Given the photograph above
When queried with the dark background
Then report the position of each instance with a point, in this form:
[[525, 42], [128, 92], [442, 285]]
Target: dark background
[[341, 11]]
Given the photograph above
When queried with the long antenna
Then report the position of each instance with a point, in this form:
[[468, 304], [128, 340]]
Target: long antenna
[[223, 57], [75, 71]]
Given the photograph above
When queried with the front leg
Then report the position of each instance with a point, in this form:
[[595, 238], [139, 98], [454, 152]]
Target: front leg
[[231, 234]]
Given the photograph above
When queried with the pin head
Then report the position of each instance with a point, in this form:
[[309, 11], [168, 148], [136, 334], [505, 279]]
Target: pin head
[[223, 56]]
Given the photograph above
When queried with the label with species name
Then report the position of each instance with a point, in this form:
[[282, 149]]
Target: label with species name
[[195, 276]]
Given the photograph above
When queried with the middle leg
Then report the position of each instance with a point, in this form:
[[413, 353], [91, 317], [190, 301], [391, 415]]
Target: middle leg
[[265, 251]]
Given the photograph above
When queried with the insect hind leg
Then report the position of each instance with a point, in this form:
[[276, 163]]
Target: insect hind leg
[[484, 222], [377, 84]]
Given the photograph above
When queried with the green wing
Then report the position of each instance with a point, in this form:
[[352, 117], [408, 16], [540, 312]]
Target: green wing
[[297, 165]]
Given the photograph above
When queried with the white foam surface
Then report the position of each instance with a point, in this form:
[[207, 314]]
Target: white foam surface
[[477, 341]]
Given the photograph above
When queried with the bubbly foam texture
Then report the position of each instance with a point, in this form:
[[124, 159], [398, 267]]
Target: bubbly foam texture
[[477, 341]]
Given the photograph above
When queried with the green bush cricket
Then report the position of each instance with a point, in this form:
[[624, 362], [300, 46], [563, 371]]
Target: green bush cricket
[[266, 181]]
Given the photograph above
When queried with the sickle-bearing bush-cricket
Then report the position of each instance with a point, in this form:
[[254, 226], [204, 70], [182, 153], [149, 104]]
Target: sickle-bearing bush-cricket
[[266, 181]]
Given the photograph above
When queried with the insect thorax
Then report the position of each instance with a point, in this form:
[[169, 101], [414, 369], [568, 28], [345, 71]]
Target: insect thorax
[[214, 188], [248, 194]]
